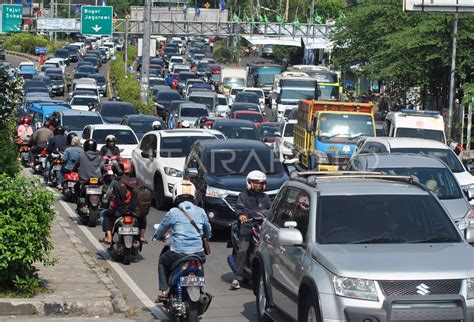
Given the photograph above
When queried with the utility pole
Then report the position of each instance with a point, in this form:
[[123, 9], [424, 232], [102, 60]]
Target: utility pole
[[145, 52], [125, 46], [286, 10], [311, 13], [453, 76]]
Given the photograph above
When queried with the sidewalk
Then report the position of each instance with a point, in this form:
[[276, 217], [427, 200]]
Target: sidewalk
[[75, 286]]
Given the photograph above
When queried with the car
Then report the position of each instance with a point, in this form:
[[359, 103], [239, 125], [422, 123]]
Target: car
[[283, 145], [141, 123], [360, 247], [75, 120], [419, 146], [260, 93], [159, 159], [113, 111], [222, 107], [189, 83], [126, 138], [60, 61], [84, 71], [267, 51], [236, 129], [31, 85], [111, 47], [44, 79], [176, 69], [166, 95], [175, 60], [256, 117], [64, 54], [26, 68], [57, 83], [268, 132], [190, 112], [248, 97], [83, 102], [233, 92], [74, 53], [219, 169], [207, 98], [430, 171], [182, 78], [241, 106], [2, 54], [173, 109], [156, 81], [101, 83]]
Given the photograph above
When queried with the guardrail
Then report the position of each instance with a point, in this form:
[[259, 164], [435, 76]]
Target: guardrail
[[23, 55]]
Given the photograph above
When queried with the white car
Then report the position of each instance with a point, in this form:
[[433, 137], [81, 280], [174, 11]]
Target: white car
[[259, 92], [107, 51], [159, 159], [127, 140], [176, 60], [83, 102], [232, 93], [60, 61], [222, 105], [111, 47], [283, 145]]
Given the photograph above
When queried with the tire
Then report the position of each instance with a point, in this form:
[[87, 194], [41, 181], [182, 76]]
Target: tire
[[127, 256], [159, 194], [261, 300], [309, 311], [93, 214], [193, 311]]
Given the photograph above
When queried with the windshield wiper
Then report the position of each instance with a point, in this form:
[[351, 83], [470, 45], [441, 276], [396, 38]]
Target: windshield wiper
[[358, 135], [380, 240], [439, 239], [331, 136]]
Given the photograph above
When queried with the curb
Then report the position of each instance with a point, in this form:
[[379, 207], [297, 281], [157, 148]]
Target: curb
[[23, 55]]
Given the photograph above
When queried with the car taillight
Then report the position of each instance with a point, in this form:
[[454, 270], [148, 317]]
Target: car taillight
[[58, 161], [127, 219]]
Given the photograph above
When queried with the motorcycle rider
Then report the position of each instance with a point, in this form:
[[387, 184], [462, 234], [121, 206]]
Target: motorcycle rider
[[38, 141], [249, 202], [89, 165], [56, 144], [72, 152], [156, 126], [110, 149], [24, 130], [186, 239]]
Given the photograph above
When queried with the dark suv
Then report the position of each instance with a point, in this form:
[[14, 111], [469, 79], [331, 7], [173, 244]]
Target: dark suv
[[219, 169]]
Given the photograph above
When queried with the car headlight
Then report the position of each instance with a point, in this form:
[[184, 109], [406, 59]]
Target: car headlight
[[216, 192], [321, 157], [172, 172], [357, 288], [470, 288]]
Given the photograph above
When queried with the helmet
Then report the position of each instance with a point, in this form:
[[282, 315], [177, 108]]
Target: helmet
[[256, 181], [156, 125], [183, 191], [110, 139], [59, 130], [54, 121], [21, 120], [125, 165], [185, 125], [27, 120], [69, 137], [90, 145]]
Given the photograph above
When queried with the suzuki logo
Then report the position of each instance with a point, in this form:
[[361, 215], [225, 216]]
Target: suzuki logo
[[423, 289]]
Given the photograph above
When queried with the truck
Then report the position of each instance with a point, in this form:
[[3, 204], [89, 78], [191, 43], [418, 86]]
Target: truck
[[288, 89], [415, 124], [262, 75], [326, 132], [328, 81], [233, 77]]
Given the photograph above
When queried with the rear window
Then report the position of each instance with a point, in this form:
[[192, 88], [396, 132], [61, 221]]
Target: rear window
[[249, 117], [259, 93], [237, 131], [208, 101], [78, 122], [122, 136], [193, 112], [168, 96], [179, 147], [83, 101], [117, 110], [435, 135], [446, 155]]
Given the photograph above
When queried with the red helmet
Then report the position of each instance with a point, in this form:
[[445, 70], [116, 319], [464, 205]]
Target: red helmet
[[125, 165], [21, 120], [27, 120]]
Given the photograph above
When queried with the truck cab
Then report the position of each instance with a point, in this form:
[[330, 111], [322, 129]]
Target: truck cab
[[415, 124]]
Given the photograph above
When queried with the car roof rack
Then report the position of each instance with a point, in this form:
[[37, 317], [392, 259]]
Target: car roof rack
[[311, 177]]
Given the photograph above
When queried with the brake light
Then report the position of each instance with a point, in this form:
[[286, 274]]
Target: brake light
[[43, 152], [127, 219], [193, 265], [25, 148]]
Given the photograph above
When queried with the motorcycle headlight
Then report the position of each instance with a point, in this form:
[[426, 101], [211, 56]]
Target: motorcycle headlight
[[470, 288], [287, 145], [216, 192], [355, 288], [172, 172]]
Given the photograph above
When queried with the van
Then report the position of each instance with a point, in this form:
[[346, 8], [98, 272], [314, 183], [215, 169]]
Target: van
[[207, 98], [39, 111]]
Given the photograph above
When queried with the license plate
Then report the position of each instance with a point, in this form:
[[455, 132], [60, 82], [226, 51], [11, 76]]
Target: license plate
[[128, 230], [71, 184], [193, 281], [93, 191], [57, 167]]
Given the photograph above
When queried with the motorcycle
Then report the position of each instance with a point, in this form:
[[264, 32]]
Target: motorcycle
[[24, 154], [254, 243], [125, 240], [187, 300], [70, 181], [40, 162], [90, 199], [56, 166]]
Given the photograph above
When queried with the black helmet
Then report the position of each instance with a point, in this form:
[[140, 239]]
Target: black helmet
[[59, 130], [69, 137], [55, 121], [90, 145]]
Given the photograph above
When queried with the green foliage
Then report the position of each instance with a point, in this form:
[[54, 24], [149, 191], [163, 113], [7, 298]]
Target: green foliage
[[294, 55], [468, 90], [25, 224], [222, 53], [8, 153], [132, 54], [126, 86], [25, 42]]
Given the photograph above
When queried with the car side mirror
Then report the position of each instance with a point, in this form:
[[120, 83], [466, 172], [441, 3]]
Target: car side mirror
[[146, 155], [191, 173], [290, 236], [277, 134], [469, 192]]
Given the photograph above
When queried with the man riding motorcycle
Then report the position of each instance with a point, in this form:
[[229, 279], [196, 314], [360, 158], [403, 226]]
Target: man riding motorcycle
[[39, 140], [186, 239], [249, 202], [72, 152], [110, 149], [56, 144]]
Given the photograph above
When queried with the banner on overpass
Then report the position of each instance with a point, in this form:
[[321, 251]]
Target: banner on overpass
[[57, 24]]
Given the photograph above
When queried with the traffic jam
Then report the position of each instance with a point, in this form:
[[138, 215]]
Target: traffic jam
[[332, 210]]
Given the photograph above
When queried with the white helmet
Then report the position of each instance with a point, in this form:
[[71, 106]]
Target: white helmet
[[185, 124], [110, 137], [256, 177], [156, 125], [183, 190]]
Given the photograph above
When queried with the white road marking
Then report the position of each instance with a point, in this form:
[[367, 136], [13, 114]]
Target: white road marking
[[157, 312]]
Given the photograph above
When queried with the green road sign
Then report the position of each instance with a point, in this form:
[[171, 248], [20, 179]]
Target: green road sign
[[96, 20], [12, 17]]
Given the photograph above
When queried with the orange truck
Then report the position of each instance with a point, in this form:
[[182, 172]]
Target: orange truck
[[327, 132]]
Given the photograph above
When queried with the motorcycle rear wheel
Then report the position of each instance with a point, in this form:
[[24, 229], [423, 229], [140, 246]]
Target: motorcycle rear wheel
[[93, 214], [127, 256], [193, 309]]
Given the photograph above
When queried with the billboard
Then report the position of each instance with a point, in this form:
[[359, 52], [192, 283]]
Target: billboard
[[56, 24], [447, 6]]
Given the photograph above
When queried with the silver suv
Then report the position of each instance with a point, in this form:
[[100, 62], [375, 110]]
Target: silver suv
[[361, 248]]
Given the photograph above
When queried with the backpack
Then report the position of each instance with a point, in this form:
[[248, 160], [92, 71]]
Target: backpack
[[137, 197]]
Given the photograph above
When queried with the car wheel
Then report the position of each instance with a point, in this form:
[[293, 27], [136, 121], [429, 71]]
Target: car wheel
[[159, 194], [309, 311], [262, 300]]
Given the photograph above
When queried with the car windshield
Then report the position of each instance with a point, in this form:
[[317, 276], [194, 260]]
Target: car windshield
[[328, 92], [241, 161], [435, 135], [222, 101], [99, 78], [245, 107], [83, 101], [377, 219], [140, 126], [86, 69], [446, 155], [193, 112], [268, 130], [289, 128], [234, 91], [296, 94], [258, 92], [179, 146], [234, 82], [249, 117], [122, 136], [78, 122], [216, 77], [168, 96], [266, 76], [90, 91], [117, 110], [237, 131], [206, 100], [55, 77], [347, 126]]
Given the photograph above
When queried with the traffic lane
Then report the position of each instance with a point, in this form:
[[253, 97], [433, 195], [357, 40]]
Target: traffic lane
[[226, 305]]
